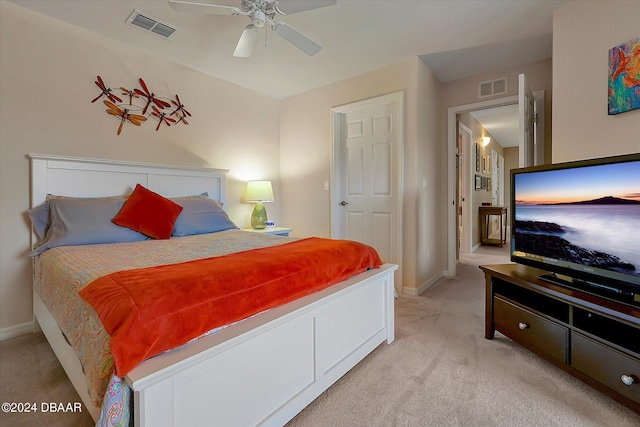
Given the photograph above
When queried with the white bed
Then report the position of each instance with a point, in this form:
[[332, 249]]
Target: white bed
[[261, 371]]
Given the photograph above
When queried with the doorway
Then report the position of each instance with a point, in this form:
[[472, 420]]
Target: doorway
[[452, 178], [452, 175]]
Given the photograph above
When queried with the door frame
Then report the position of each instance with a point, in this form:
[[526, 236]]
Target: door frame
[[452, 113], [337, 132]]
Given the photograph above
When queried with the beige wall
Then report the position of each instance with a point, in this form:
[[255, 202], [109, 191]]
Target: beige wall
[[46, 85], [583, 33], [430, 162], [305, 152]]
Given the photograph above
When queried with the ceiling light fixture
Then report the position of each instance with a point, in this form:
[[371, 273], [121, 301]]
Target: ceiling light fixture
[[258, 18]]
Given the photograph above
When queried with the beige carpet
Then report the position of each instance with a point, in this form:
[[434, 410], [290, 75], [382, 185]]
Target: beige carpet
[[30, 373], [440, 371]]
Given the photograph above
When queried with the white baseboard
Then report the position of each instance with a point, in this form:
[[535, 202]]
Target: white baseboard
[[16, 331], [426, 285]]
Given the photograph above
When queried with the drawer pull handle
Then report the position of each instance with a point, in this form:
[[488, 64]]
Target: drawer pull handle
[[628, 379], [523, 325]]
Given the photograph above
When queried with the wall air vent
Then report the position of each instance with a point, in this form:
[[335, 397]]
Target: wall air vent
[[147, 23], [493, 87]]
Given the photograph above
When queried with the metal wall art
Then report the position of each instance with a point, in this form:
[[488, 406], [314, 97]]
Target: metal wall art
[[164, 110]]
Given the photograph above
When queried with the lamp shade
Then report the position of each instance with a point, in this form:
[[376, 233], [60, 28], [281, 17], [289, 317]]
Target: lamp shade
[[486, 140], [259, 191]]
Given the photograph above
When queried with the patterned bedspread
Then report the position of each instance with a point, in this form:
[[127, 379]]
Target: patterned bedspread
[[61, 272]]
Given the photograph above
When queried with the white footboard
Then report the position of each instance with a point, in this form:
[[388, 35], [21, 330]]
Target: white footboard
[[266, 369]]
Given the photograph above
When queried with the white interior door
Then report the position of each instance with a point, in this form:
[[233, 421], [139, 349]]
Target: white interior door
[[465, 185], [494, 177], [367, 198], [526, 114], [368, 176], [500, 180], [539, 129], [497, 178]]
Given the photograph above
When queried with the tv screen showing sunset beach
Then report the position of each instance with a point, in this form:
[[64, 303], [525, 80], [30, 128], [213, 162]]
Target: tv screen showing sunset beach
[[589, 215]]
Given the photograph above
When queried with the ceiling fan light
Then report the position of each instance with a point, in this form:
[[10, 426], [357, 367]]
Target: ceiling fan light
[[258, 18]]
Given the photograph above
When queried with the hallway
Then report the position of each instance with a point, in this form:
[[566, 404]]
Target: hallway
[[488, 255]]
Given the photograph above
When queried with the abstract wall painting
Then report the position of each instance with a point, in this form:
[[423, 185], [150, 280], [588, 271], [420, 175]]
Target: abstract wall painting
[[624, 77]]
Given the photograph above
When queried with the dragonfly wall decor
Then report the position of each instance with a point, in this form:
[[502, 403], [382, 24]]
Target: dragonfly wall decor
[[124, 115], [164, 110]]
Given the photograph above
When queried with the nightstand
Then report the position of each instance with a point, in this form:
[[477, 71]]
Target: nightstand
[[276, 231]]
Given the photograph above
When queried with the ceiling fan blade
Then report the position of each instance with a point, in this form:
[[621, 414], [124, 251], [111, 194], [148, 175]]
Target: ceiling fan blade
[[247, 41], [294, 6], [296, 38], [203, 6]]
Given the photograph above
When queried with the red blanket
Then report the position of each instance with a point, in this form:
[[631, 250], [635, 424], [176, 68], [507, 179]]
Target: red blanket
[[151, 310]]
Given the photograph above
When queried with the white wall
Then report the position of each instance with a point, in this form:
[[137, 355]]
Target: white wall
[[583, 33], [46, 85]]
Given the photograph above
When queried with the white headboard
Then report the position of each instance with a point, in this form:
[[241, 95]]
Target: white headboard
[[82, 177]]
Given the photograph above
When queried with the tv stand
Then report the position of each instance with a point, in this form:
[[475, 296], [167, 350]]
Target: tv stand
[[595, 339], [604, 291]]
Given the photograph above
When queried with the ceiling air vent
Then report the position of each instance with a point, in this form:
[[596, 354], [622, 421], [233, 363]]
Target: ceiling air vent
[[147, 23], [493, 87]]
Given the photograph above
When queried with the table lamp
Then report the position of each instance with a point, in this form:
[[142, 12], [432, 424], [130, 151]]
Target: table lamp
[[259, 192]]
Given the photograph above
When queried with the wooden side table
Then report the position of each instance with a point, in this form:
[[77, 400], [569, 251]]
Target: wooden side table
[[276, 231], [485, 213]]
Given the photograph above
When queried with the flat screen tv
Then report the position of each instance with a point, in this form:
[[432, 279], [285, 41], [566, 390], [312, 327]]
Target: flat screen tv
[[580, 222]]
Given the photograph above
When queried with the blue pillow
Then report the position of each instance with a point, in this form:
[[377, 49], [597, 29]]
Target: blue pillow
[[39, 217], [201, 216], [84, 222]]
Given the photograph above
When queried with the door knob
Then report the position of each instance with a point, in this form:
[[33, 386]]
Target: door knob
[[343, 203], [523, 325]]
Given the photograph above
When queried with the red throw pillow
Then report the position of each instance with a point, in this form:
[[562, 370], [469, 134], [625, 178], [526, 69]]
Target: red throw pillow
[[148, 213]]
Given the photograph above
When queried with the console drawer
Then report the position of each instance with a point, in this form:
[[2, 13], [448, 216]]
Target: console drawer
[[531, 330], [606, 365]]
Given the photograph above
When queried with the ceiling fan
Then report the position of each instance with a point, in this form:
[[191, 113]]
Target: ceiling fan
[[260, 12]]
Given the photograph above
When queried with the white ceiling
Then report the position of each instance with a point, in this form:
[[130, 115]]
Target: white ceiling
[[455, 38], [456, 64], [501, 122]]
